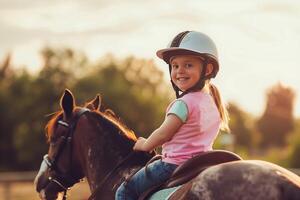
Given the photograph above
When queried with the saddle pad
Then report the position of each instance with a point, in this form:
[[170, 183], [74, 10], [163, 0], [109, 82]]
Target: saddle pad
[[164, 194]]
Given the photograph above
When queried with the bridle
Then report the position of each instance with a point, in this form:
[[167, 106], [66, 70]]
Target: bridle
[[64, 180]]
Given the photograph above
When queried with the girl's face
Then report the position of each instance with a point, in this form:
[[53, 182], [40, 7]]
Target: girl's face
[[186, 71]]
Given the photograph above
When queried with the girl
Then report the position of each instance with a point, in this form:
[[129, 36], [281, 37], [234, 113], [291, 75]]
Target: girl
[[192, 121]]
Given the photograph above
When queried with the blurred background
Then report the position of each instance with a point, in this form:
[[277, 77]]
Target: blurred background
[[108, 47]]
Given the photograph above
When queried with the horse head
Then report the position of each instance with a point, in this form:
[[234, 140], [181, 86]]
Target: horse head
[[61, 168], [87, 141]]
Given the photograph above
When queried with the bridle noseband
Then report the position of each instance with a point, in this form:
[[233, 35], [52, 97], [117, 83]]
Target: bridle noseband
[[64, 180]]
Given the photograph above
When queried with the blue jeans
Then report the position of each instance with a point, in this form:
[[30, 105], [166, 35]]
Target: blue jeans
[[157, 173]]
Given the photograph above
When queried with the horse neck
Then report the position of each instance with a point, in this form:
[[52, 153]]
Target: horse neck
[[101, 152]]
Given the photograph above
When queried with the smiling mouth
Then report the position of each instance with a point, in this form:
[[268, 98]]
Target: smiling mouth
[[182, 79]]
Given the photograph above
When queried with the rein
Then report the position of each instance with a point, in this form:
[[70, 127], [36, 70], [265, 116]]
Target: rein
[[98, 189], [101, 184], [129, 156]]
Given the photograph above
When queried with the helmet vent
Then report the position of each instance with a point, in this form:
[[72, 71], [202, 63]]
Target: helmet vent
[[177, 40]]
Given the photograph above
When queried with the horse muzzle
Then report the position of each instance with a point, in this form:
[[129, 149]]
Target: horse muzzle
[[41, 180], [44, 186], [46, 196], [47, 189]]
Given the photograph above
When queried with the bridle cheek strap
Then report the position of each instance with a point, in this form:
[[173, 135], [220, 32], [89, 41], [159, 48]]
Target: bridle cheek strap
[[64, 181]]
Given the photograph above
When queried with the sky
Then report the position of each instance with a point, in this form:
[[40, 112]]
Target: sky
[[258, 40]]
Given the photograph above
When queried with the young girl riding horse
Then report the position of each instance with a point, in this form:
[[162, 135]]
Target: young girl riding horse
[[192, 121]]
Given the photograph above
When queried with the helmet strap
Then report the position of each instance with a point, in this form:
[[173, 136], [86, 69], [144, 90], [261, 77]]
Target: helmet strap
[[176, 89]]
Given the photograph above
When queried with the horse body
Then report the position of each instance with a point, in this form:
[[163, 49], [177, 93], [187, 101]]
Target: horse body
[[246, 179], [93, 144]]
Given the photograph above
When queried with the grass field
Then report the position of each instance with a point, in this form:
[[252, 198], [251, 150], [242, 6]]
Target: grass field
[[26, 191]]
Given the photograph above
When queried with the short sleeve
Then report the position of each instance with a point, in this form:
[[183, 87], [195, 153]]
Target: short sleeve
[[179, 108]]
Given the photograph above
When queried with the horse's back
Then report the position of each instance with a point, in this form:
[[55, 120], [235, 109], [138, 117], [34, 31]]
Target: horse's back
[[194, 166], [242, 180]]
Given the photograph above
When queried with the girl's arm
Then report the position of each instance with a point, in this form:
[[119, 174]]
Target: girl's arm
[[161, 135]]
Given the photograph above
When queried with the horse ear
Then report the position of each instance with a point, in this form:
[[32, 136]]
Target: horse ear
[[67, 103], [95, 104]]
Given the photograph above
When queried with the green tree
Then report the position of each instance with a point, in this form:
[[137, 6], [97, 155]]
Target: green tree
[[242, 127], [294, 159], [7, 151], [134, 88], [24, 101], [40, 95], [277, 120]]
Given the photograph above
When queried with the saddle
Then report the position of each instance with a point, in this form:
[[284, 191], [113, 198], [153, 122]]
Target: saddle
[[193, 167]]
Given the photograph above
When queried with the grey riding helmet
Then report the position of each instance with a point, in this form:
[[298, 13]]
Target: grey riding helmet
[[192, 43]]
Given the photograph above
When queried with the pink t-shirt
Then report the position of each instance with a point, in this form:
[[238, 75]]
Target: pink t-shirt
[[199, 131]]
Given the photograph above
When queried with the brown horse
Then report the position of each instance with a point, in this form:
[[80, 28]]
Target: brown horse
[[94, 144]]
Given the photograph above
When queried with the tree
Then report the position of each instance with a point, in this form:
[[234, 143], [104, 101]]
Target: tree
[[40, 95], [294, 141], [133, 88], [241, 126], [7, 77], [277, 120], [5, 68], [295, 155]]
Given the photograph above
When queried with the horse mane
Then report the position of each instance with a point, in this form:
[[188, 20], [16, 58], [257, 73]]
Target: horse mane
[[111, 117], [107, 114]]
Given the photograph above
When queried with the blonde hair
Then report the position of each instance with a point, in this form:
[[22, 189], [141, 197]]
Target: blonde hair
[[221, 107]]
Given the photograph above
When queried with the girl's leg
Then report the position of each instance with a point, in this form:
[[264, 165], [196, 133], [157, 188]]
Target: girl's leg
[[157, 173]]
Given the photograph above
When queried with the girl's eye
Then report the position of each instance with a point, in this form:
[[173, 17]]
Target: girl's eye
[[174, 66], [188, 65]]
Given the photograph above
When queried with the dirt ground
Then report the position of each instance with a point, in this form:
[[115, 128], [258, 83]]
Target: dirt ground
[[26, 191]]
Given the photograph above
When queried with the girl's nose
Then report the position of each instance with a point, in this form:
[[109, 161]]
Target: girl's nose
[[180, 69]]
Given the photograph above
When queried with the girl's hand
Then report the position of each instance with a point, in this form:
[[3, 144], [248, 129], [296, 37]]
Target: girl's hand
[[139, 144]]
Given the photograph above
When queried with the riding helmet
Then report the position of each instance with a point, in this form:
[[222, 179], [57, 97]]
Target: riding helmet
[[192, 43]]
